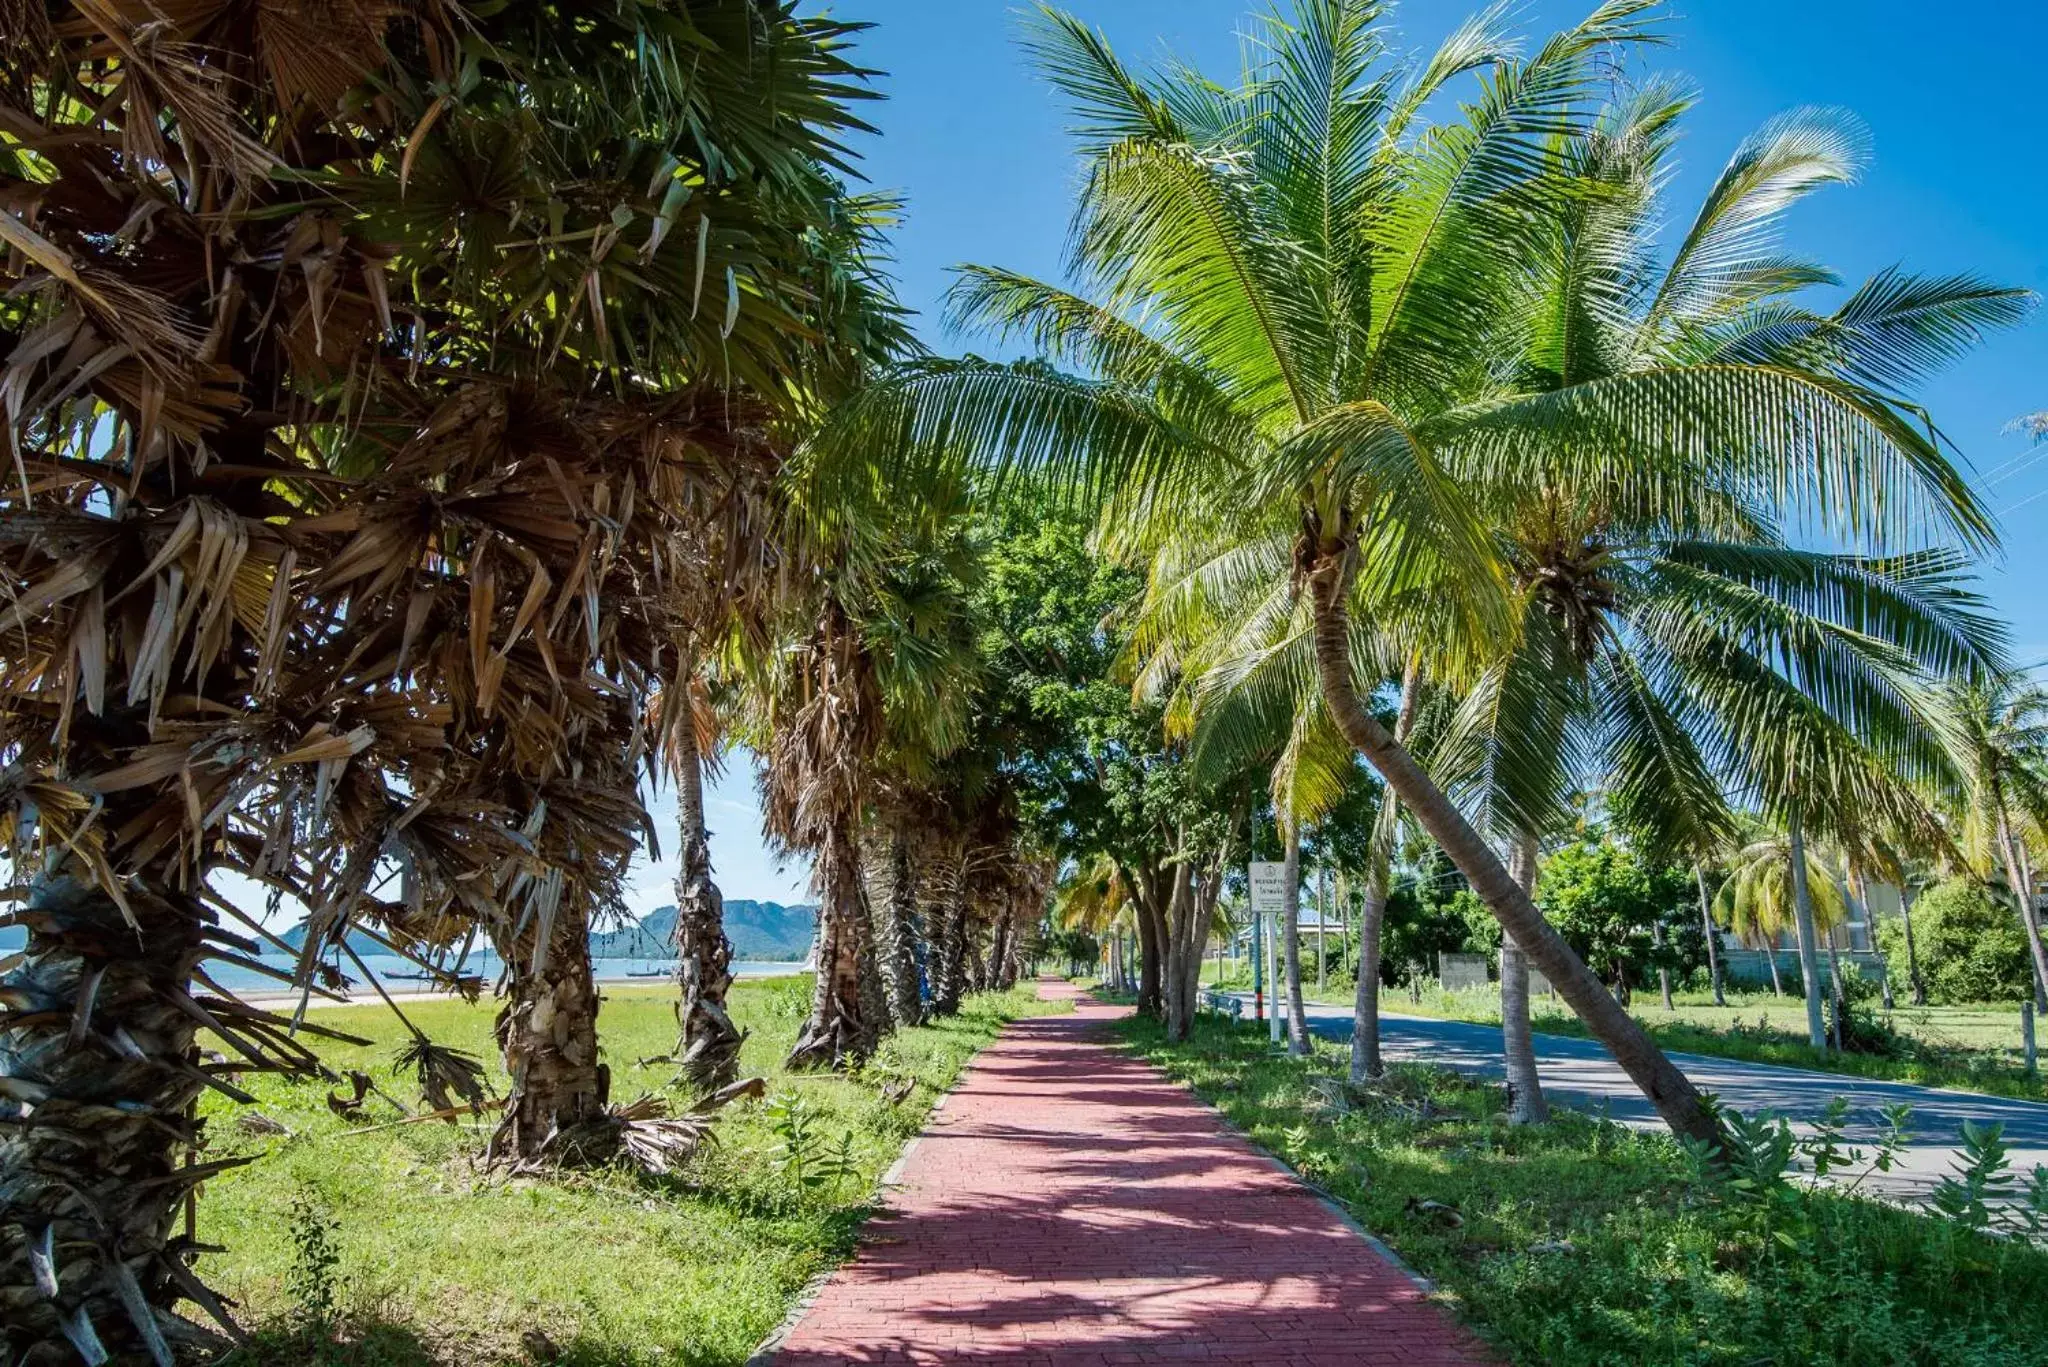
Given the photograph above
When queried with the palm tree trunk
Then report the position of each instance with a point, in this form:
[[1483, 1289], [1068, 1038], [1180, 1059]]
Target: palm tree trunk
[[1835, 996], [93, 1132], [1365, 1005], [837, 1031], [1518, 1041], [1771, 958], [1713, 940], [1322, 925], [1663, 969], [897, 934], [1912, 955], [1372, 915], [1290, 941], [999, 946], [1809, 948], [946, 922], [953, 968], [2023, 893], [1675, 1098], [547, 1031], [708, 1042]]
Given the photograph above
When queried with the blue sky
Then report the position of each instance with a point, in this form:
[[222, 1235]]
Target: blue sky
[[1953, 98]]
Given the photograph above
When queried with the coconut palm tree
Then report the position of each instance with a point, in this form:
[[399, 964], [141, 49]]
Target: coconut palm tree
[[2002, 748], [1758, 900], [1327, 291]]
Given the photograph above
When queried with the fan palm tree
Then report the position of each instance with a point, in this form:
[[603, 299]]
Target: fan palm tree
[[880, 687], [1326, 292], [170, 700], [259, 531]]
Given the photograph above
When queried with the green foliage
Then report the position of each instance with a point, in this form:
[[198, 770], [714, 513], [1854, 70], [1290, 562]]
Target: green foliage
[[1983, 1192], [1609, 903], [1585, 1244], [310, 1280], [802, 1153], [1970, 945]]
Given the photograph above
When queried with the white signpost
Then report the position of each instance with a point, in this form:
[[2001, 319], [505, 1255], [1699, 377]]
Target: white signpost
[[1269, 901]]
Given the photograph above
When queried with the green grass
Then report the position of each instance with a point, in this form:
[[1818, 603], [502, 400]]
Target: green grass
[[1581, 1242], [1975, 1048], [438, 1261]]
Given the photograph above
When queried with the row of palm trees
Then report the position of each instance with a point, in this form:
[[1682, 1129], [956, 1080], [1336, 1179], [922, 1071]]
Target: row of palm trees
[[1389, 401]]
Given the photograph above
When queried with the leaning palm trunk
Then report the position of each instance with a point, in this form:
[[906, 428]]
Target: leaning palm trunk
[[1809, 937], [708, 1043], [547, 1032], [2030, 921], [97, 1084], [1677, 1101], [1290, 941], [838, 1031], [1518, 1040], [1365, 1019]]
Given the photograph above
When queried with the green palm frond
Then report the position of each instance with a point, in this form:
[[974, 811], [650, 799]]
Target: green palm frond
[[1895, 331], [1728, 256]]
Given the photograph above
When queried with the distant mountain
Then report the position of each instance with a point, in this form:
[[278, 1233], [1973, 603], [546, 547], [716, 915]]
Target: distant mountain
[[758, 930], [359, 942]]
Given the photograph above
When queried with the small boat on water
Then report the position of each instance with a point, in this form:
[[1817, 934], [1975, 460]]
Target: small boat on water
[[651, 973], [410, 977]]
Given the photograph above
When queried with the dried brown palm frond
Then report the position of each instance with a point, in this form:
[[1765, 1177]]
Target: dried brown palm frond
[[646, 1133], [448, 1078]]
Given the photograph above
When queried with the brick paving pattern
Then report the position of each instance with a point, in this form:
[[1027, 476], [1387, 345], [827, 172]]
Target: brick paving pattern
[[1072, 1207]]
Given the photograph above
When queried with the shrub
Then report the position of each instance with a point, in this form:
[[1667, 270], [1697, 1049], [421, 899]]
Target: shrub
[[1970, 944]]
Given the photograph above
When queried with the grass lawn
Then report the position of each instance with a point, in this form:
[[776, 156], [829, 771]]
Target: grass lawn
[[1976, 1048], [429, 1259], [1580, 1242]]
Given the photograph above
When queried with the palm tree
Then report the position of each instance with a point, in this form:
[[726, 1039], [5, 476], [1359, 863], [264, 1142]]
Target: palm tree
[[318, 598], [1326, 294], [707, 1043], [2003, 753], [1759, 900], [168, 699], [880, 684]]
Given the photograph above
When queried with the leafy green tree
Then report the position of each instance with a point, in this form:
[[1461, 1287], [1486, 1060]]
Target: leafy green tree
[[1627, 917], [1969, 947]]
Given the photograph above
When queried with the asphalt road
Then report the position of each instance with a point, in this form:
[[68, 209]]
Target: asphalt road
[[1582, 1074]]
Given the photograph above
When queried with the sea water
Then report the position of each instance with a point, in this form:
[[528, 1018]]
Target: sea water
[[402, 975]]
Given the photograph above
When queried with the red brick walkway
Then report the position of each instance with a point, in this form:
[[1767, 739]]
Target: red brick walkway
[[1070, 1206]]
